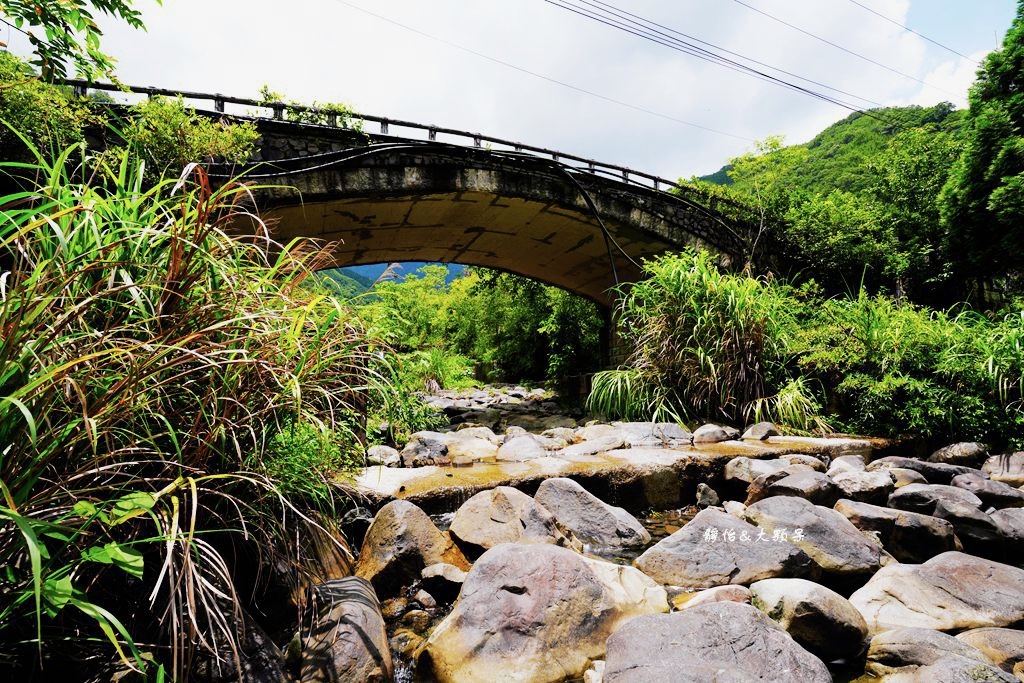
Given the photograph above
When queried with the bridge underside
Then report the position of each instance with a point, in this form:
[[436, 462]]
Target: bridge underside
[[540, 240], [404, 202]]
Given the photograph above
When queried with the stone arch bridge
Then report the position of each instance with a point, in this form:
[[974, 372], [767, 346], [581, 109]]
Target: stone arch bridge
[[377, 198]]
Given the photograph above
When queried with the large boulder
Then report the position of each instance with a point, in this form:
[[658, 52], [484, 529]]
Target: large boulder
[[503, 515], [712, 433], [400, 542], [1004, 647], [653, 434], [598, 444], [921, 654], [521, 448], [727, 642], [808, 484], [535, 613], [714, 549], [604, 528], [347, 640], [426, 448], [995, 494], [846, 463], [966, 453], [934, 472], [923, 498], [868, 487], [907, 536], [1007, 468], [760, 432], [463, 447], [820, 619], [746, 469], [950, 592], [831, 540]]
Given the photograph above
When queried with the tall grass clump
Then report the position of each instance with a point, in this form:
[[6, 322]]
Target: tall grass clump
[[155, 374], [896, 369], [704, 344]]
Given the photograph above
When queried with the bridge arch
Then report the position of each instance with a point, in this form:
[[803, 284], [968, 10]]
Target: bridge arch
[[425, 201]]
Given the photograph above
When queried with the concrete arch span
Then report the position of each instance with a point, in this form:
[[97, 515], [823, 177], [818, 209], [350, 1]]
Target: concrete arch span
[[516, 213]]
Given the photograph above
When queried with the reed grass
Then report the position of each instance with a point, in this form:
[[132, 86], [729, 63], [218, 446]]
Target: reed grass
[[149, 358]]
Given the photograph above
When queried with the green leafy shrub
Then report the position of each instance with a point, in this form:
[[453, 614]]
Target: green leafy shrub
[[317, 113], [704, 343], [148, 359], [169, 136], [47, 115]]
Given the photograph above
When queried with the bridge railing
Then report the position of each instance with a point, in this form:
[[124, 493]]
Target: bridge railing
[[276, 110]]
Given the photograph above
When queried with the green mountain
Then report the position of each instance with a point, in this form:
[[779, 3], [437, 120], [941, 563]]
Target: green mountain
[[837, 158]]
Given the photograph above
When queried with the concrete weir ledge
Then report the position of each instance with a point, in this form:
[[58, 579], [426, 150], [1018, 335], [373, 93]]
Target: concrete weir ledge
[[633, 478]]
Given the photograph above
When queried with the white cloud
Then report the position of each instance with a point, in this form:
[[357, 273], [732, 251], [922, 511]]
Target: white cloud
[[328, 51]]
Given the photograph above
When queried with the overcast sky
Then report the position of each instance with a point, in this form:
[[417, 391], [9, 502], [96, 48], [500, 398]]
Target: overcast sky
[[421, 61]]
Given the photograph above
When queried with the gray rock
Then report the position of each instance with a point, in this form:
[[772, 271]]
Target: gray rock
[[976, 530], [707, 496], [821, 620], [606, 529], [535, 613], [711, 433], [652, 434], [714, 549], [729, 593], [347, 641], [478, 432], [467, 448], [1004, 647], [443, 581], [761, 431], [904, 477], [995, 494], [503, 515], [831, 540], [867, 487], [846, 463], [748, 469], [966, 453], [383, 455], [802, 483], [566, 434], [815, 463], [1010, 522], [598, 444], [400, 542], [1007, 468], [521, 448], [923, 498], [725, 642], [934, 472], [907, 536], [952, 591], [909, 651], [426, 448]]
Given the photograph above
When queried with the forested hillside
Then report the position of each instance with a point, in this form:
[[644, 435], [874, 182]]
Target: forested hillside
[[863, 202]]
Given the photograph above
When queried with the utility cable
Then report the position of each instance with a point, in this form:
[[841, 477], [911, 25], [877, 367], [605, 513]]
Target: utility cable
[[916, 33], [623, 13], [698, 52], [847, 51], [708, 56], [549, 79]]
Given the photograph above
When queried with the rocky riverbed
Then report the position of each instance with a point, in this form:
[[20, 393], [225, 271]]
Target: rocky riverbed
[[788, 560]]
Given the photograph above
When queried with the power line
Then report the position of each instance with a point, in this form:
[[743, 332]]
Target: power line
[[916, 33], [542, 76], [847, 51], [734, 54], [618, 21]]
